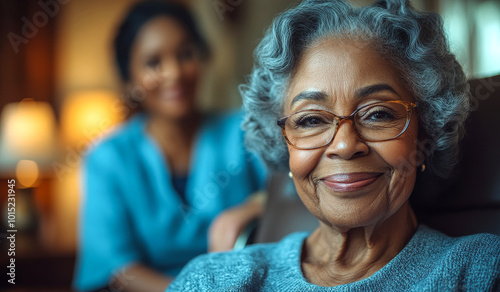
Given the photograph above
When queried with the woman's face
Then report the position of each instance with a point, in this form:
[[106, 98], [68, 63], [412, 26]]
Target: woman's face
[[165, 68], [350, 182]]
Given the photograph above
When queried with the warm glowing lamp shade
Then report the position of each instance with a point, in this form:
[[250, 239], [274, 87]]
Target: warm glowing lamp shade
[[28, 139], [88, 115], [28, 131]]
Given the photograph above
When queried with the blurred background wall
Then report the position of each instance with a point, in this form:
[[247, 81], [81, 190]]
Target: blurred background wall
[[59, 91]]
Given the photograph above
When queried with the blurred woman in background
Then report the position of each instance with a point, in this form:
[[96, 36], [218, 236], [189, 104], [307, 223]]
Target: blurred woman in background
[[154, 187]]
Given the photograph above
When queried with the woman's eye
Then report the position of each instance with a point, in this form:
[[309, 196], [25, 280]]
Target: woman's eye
[[381, 115], [186, 54], [310, 121], [378, 114], [153, 63]]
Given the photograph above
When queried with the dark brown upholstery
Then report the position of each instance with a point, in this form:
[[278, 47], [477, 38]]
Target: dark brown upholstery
[[469, 202], [465, 204], [285, 213]]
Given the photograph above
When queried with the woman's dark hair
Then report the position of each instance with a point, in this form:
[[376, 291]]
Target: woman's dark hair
[[139, 15]]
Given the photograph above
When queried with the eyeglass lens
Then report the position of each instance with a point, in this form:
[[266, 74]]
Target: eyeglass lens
[[376, 122]]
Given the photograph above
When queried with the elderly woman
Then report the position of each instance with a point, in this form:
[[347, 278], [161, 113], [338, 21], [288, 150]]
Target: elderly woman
[[353, 91]]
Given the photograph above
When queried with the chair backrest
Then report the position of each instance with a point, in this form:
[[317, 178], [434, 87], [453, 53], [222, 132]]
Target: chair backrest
[[466, 204], [469, 202], [285, 213]]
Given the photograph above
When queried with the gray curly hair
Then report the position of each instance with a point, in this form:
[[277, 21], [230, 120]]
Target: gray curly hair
[[414, 42]]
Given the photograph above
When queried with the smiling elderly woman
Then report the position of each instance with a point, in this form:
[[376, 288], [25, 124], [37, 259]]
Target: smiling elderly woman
[[354, 90]]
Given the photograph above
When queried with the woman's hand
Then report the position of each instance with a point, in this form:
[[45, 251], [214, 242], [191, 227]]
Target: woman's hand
[[226, 227]]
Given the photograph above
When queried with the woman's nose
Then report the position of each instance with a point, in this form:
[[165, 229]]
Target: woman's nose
[[346, 143], [171, 71]]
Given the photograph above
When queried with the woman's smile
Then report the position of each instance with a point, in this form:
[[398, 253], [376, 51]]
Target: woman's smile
[[172, 94], [350, 182]]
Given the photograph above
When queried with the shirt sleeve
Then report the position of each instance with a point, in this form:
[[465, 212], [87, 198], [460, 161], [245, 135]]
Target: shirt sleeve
[[259, 169], [256, 166], [106, 240]]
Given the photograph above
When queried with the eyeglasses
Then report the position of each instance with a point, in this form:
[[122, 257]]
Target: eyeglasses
[[375, 122]]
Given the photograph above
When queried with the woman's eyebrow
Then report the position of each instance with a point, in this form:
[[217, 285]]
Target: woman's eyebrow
[[311, 95], [370, 89], [360, 93]]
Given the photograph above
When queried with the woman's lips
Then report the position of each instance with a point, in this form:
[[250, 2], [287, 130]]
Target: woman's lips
[[350, 182], [172, 94]]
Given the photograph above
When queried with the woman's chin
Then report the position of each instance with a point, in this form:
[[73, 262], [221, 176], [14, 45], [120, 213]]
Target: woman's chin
[[175, 111], [362, 210], [347, 221]]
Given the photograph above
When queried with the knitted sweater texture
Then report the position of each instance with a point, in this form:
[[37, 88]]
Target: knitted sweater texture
[[431, 261]]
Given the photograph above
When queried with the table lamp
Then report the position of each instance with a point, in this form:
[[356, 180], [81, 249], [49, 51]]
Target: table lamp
[[27, 146]]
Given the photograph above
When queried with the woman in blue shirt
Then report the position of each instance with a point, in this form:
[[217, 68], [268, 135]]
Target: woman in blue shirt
[[155, 187]]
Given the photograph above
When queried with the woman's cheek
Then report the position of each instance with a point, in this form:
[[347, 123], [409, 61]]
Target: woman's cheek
[[303, 162], [190, 79], [151, 81], [403, 159], [192, 71]]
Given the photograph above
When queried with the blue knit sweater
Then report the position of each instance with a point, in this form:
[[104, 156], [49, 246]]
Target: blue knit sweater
[[431, 261]]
